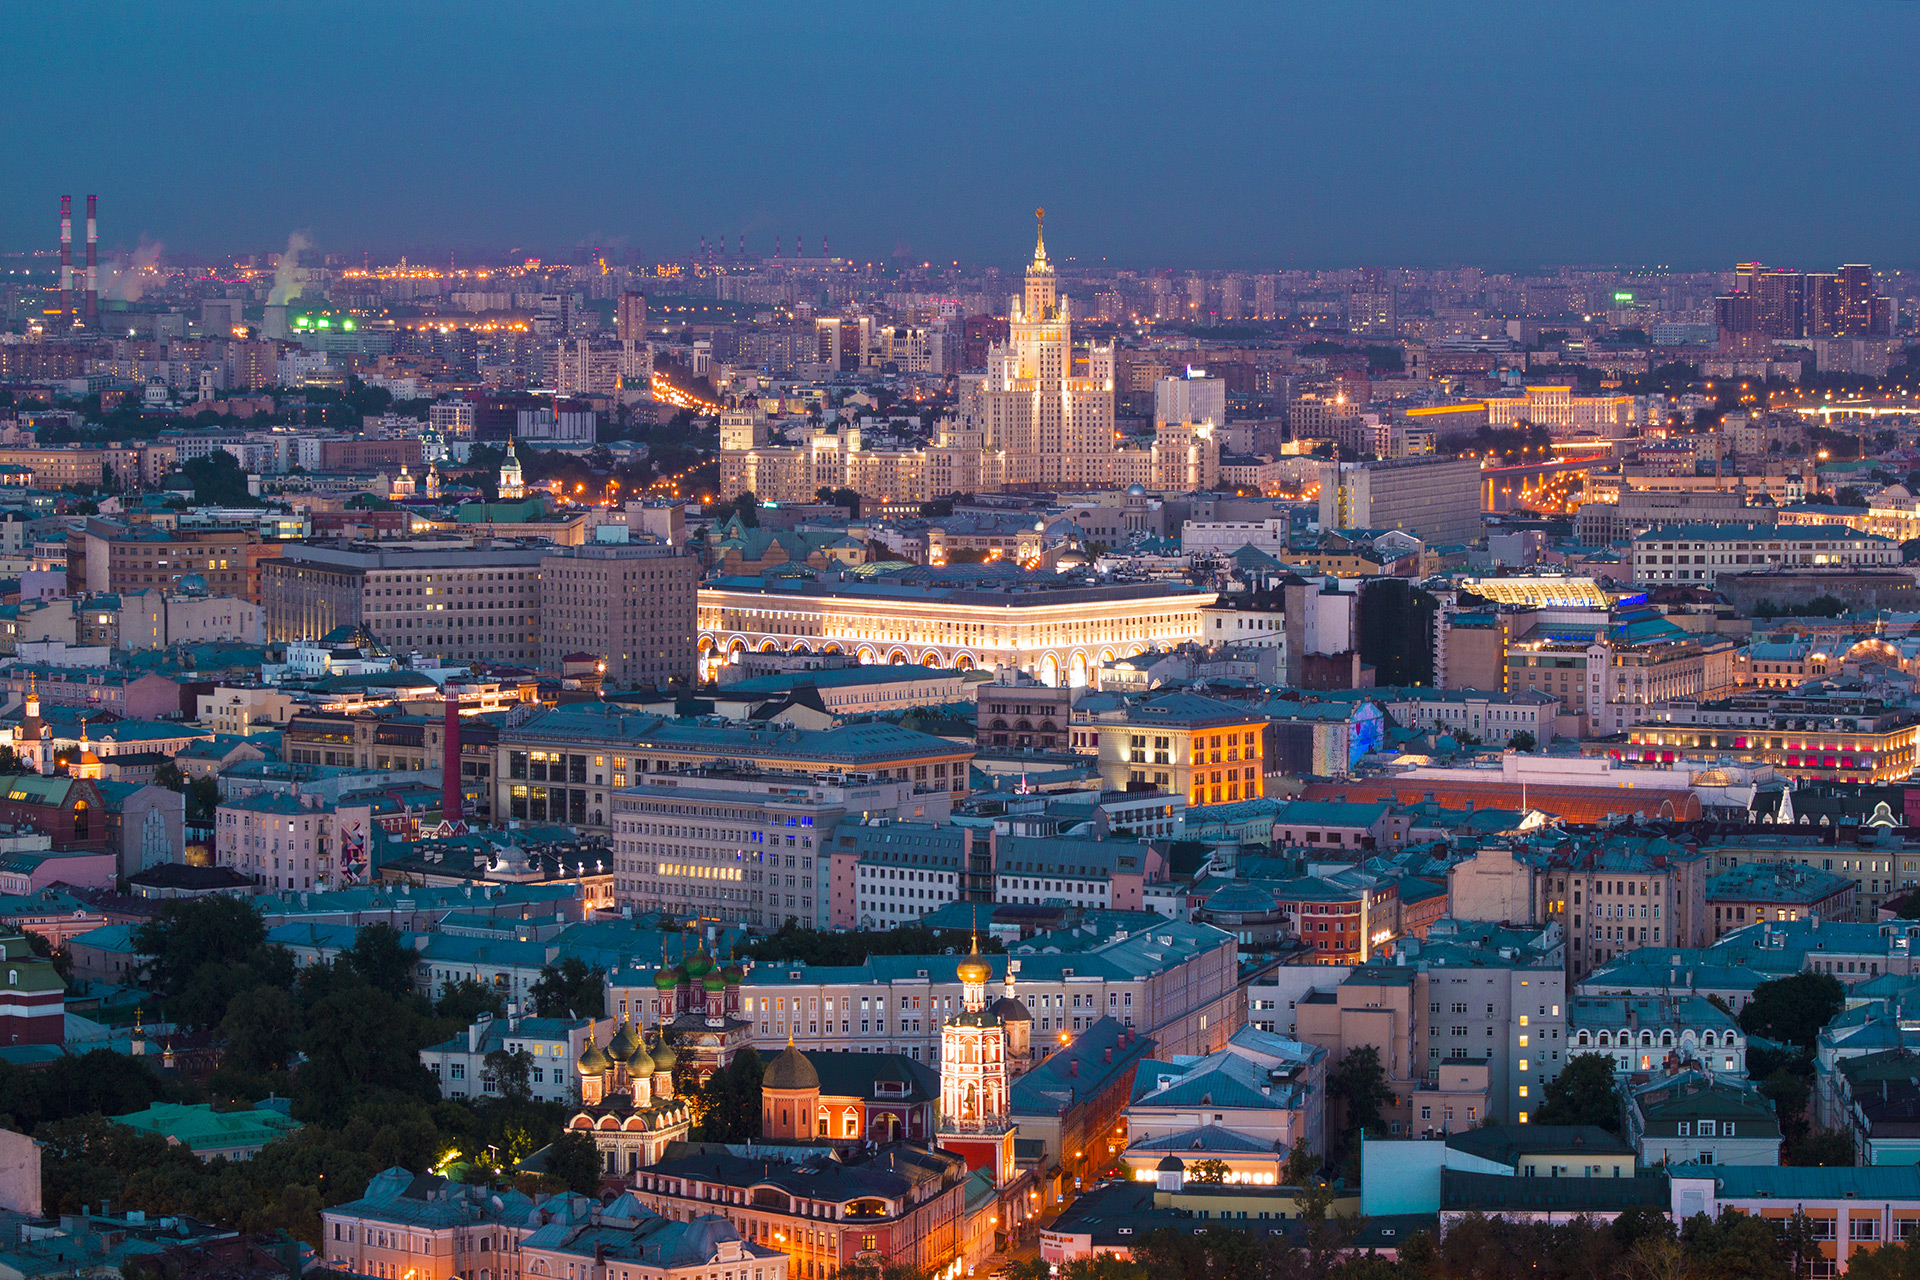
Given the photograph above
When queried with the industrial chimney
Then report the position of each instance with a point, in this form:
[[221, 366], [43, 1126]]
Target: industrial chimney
[[451, 801], [93, 266], [66, 259]]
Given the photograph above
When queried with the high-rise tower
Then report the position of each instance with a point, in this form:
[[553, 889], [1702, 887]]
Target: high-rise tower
[[1056, 429]]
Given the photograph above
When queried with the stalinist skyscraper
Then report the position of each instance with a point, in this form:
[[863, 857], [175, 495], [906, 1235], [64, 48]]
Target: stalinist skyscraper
[[1056, 429]]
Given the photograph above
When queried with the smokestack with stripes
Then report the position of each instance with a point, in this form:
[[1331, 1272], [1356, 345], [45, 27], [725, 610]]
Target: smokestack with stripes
[[66, 259], [93, 266]]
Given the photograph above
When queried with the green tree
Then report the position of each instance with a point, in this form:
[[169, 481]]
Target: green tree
[[1793, 1009], [1820, 1147], [381, 956], [187, 934], [1583, 1093], [1899, 1260], [1788, 1090], [218, 480], [260, 1028], [1825, 606], [167, 774], [1523, 741], [464, 1001], [1734, 1247], [361, 1044], [571, 989], [729, 1101], [576, 1162], [512, 1073], [1210, 1171], [203, 797], [103, 1081], [1360, 1084]]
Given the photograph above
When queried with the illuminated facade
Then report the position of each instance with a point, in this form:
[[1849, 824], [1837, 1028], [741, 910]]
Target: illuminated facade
[[973, 1079], [965, 618], [1056, 429], [1183, 744], [1825, 737], [1708, 550], [1541, 592]]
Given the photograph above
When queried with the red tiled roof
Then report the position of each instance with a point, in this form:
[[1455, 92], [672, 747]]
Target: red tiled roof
[[1570, 803]]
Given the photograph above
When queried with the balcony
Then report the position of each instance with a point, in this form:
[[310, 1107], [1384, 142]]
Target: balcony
[[986, 1127]]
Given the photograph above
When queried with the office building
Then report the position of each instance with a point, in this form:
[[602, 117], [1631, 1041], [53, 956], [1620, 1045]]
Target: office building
[[452, 599], [1829, 735], [429, 1227], [749, 847], [628, 604], [1183, 744], [1192, 397], [107, 556], [1435, 499], [630, 317]]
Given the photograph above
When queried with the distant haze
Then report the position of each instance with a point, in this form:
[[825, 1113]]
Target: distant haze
[[1256, 135]]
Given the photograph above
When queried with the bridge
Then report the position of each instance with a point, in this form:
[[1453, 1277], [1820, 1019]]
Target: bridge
[[1828, 410], [1545, 485]]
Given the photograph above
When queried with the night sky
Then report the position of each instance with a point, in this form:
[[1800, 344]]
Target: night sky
[[1257, 135]]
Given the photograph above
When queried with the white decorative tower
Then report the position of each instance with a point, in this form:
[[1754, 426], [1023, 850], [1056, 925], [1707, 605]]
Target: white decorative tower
[[513, 484], [973, 1077]]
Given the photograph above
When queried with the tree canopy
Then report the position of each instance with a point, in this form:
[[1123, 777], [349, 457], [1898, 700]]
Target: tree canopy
[[1793, 1009], [1583, 1093]]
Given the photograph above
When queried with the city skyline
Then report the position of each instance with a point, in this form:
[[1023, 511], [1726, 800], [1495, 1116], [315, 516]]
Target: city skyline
[[1261, 138]]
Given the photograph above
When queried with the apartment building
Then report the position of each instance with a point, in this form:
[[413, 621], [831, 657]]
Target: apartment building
[[562, 765], [427, 1227], [889, 874], [1696, 554], [1177, 984], [108, 556], [1093, 874]]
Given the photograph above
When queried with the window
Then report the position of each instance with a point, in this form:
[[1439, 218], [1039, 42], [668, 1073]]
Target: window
[[1863, 1228]]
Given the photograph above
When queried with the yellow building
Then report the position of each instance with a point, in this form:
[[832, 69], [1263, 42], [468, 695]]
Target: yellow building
[[1184, 744]]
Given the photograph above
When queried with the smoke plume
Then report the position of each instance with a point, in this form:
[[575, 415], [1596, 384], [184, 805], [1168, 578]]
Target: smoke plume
[[125, 279], [287, 277]]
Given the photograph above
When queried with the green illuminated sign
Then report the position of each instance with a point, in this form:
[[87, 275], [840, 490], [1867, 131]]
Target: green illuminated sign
[[1623, 297]]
